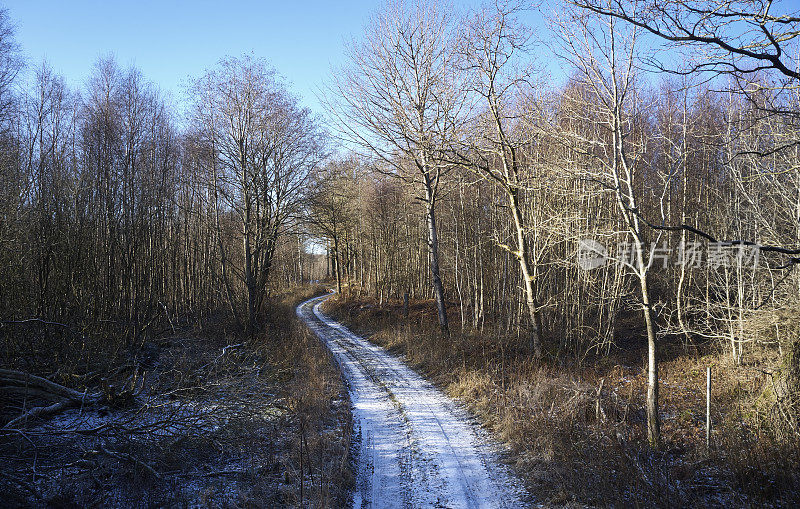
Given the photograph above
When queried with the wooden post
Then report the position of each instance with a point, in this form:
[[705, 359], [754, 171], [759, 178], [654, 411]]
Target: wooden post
[[301, 466], [599, 413], [708, 407]]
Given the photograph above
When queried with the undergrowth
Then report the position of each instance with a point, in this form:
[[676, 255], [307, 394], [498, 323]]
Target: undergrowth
[[210, 418], [575, 432]]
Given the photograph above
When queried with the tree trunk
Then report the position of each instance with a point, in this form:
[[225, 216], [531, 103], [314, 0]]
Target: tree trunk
[[653, 420], [336, 265], [433, 256], [528, 278], [249, 279]]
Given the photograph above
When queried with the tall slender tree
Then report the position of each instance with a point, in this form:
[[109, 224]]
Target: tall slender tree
[[396, 99]]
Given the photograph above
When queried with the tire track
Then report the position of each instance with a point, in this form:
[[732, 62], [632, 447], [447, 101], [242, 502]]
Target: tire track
[[417, 448]]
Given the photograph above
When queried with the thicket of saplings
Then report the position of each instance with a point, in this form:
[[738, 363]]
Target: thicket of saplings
[[148, 352], [584, 249]]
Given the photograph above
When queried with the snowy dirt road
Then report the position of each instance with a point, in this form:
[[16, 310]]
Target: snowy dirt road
[[416, 448]]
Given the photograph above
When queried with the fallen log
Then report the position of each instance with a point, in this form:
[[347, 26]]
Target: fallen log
[[11, 378], [28, 385]]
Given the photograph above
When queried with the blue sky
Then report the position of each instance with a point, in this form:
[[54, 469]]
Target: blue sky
[[172, 40]]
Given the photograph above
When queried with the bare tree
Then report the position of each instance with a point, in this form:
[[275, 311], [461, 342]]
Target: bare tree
[[396, 100], [331, 206], [747, 41], [261, 149], [10, 65], [494, 144], [605, 59], [736, 37]]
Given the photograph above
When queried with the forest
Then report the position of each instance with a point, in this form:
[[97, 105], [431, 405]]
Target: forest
[[579, 219]]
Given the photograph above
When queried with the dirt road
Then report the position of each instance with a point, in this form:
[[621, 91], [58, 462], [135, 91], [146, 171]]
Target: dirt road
[[417, 448]]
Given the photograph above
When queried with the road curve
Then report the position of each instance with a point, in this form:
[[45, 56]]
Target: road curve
[[417, 448]]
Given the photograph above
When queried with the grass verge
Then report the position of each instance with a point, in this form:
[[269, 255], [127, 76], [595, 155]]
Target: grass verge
[[576, 433]]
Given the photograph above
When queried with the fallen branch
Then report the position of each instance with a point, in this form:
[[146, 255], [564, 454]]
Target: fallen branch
[[11, 378], [132, 459], [216, 473], [42, 412], [28, 385]]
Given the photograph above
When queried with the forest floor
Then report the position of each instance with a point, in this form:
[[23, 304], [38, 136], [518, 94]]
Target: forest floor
[[209, 419], [576, 431], [416, 447]]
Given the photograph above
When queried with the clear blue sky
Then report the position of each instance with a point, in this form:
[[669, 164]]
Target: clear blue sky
[[171, 40]]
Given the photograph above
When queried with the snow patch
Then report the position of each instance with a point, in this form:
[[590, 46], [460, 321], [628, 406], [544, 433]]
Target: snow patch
[[417, 448]]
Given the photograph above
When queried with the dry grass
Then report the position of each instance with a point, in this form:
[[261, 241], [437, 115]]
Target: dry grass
[[317, 398], [576, 432], [217, 421]]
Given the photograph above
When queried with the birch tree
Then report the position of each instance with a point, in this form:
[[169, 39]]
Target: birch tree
[[490, 51]]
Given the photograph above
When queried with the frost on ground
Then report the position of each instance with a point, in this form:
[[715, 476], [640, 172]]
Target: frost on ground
[[417, 448], [215, 420]]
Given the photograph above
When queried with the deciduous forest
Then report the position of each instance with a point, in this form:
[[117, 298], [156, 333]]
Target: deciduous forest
[[598, 262]]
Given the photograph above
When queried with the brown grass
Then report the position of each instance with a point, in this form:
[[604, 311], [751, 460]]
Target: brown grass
[[575, 433], [316, 395], [219, 422]]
